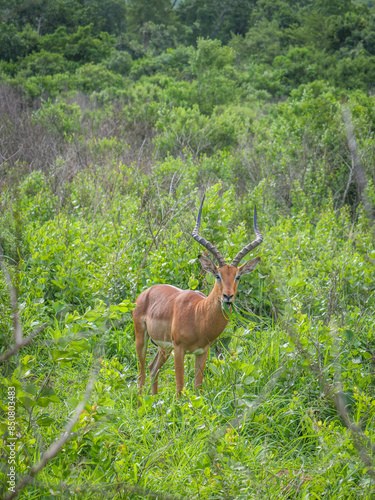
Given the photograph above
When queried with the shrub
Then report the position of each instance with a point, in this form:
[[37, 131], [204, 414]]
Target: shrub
[[119, 62], [95, 77], [43, 63], [191, 131]]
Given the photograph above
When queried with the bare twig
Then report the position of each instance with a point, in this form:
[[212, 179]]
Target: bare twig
[[161, 228], [240, 420], [17, 328], [56, 446], [24, 342], [358, 170], [338, 398], [106, 490], [350, 178], [13, 155]]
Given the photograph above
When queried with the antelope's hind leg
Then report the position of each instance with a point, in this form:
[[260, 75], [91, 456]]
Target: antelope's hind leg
[[200, 363], [155, 366], [141, 341]]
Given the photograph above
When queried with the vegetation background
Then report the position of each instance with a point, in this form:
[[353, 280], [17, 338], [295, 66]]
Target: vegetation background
[[115, 117]]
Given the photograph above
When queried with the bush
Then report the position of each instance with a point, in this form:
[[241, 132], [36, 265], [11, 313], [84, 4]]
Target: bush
[[43, 63], [119, 62], [96, 77], [190, 131], [81, 46]]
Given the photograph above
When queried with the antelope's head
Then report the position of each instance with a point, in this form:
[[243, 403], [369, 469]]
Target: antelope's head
[[227, 276]]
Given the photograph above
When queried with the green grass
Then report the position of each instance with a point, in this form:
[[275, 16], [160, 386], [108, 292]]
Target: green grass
[[265, 424], [270, 433]]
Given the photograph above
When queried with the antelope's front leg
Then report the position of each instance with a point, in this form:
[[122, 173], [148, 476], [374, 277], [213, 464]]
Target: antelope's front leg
[[179, 354], [200, 362]]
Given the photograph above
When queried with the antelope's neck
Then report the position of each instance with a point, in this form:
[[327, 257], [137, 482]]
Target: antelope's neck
[[215, 321]]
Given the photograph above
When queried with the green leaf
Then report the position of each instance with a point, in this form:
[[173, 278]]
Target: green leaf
[[46, 397], [79, 345], [295, 282], [26, 402], [193, 283], [45, 420], [31, 389], [47, 392], [247, 368], [58, 306], [248, 380], [106, 401]]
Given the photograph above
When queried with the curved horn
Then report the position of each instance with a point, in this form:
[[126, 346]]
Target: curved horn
[[251, 245], [206, 244]]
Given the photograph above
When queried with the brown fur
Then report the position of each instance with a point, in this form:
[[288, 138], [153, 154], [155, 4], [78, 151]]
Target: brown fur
[[188, 321]]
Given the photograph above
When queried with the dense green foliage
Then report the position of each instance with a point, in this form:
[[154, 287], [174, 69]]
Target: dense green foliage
[[115, 117]]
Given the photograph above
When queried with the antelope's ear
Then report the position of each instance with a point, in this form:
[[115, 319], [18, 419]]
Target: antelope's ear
[[249, 266], [207, 264]]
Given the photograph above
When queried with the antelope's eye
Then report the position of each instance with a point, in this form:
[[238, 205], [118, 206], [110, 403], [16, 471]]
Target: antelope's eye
[[218, 277], [237, 278]]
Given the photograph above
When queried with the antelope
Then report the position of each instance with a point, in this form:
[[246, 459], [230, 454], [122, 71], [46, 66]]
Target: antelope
[[188, 321]]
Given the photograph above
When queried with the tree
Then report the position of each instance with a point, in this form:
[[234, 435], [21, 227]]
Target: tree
[[333, 7], [215, 18], [144, 17], [213, 66], [45, 16], [81, 46], [284, 12], [15, 44]]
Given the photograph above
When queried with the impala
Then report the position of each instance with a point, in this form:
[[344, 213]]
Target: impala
[[187, 321]]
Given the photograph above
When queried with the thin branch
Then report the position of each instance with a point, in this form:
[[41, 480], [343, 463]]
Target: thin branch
[[219, 25], [350, 178], [11, 156], [17, 327], [56, 446], [161, 228], [338, 399], [140, 150], [24, 342], [252, 407], [106, 490], [359, 171]]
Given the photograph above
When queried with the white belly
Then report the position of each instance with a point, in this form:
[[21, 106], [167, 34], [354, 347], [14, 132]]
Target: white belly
[[168, 347]]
